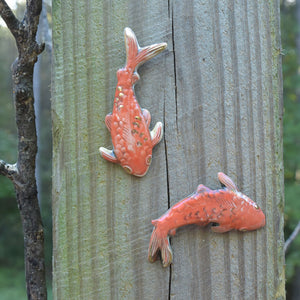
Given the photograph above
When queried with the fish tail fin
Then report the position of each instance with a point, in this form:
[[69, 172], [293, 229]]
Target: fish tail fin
[[149, 52], [159, 242], [136, 55]]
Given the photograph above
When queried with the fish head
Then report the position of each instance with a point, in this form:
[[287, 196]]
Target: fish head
[[250, 215], [138, 166]]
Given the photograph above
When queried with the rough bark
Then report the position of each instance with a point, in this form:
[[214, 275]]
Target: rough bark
[[22, 173]]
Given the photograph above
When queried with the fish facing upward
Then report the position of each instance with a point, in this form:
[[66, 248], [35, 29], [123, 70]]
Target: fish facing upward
[[128, 123], [228, 208]]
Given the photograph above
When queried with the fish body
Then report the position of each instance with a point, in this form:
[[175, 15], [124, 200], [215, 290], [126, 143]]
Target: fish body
[[128, 123], [228, 208]]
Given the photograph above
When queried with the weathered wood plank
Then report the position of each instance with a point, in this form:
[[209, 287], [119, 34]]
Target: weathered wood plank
[[217, 90], [102, 220], [228, 118]]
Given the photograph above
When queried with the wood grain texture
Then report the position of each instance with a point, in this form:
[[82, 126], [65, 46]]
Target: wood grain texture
[[217, 89]]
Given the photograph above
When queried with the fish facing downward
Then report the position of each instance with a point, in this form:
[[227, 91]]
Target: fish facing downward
[[228, 208], [128, 123]]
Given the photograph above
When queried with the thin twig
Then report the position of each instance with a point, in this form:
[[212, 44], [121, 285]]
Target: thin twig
[[8, 170], [292, 237]]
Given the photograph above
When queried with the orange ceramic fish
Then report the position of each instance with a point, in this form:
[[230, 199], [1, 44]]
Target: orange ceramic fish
[[227, 208], [128, 123]]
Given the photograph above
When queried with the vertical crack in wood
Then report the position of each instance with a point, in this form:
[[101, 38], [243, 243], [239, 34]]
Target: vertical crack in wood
[[174, 62], [168, 191], [171, 15], [170, 281]]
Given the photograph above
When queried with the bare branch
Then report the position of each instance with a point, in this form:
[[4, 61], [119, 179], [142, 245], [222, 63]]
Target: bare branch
[[8, 170], [292, 237], [23, 173], [32, 16], [9, 18]]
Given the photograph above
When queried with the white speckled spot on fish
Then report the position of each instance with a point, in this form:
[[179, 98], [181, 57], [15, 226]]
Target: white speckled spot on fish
[[130, 148]]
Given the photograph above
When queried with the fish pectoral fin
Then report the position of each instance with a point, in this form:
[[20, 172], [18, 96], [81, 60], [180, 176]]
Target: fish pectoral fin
[[109, 155], [157, 133], [147, 116], [135, 77], [172, 232], [108, 120], [220, 228]]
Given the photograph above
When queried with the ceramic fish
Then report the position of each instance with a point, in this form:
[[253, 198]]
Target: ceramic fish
[[128, 123], [227, 208]]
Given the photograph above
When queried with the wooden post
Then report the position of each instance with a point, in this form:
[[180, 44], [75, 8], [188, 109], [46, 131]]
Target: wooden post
[[217, 89]]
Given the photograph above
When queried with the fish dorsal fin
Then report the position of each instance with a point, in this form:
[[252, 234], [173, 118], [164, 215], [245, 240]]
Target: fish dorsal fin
[[227, 181], [202, 189]]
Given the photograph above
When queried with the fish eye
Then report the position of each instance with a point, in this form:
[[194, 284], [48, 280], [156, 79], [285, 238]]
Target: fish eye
[[127, 169]]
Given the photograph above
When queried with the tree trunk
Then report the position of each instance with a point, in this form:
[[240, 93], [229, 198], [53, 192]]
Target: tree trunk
[[22, 173], [217, 89]]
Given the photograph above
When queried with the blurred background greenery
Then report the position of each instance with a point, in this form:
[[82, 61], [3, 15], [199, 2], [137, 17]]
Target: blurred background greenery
[[12, 279], [290, 35]]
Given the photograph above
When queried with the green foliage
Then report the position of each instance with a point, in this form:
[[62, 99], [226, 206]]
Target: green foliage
[[8, 138], [291, 94], [7, 56], [11, 238], [12, 284], [291, 130], [292, 218]]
